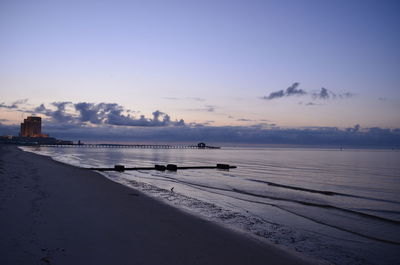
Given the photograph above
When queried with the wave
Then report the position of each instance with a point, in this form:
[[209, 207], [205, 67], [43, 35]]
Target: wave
[[321, 206], [324, 192], [218, 190], [197, 185], [379, 211]]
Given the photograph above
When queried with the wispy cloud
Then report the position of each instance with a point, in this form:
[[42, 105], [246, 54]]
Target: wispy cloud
[[208, 122], [206, 108], [185, 98], [311, 104], [196, 98], [326, 94], [346, 95]]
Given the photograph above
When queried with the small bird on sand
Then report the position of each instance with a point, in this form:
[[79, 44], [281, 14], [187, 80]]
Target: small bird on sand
[[172, 189]]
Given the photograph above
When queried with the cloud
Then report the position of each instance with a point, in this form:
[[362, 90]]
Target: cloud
[[193, 133], [89, 112], [103, 114], [59, 114], [257, 134], [196, 98], [9, 129], [293, 90], [207, 108], [20, 102], [186, 98], [312, 104], [41, 109], [244, 120], [355, 129], [210, 108], [346, 95], [326, 94], [13, 105], [290, 91], [207, 122], [277, 94]]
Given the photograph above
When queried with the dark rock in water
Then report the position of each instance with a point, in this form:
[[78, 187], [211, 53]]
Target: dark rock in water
[[223, 166], [172, 167], [160, 167], [119, 168]]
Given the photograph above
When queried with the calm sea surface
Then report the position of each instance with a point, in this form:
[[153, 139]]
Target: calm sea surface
[[341, 206]]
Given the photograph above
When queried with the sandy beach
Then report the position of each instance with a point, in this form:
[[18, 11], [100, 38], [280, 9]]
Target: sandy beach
[[52, 213]]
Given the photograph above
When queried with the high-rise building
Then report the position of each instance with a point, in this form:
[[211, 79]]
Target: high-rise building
[[31, 127]]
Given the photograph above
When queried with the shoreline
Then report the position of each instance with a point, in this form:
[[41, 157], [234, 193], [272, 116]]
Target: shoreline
[[54, 213]]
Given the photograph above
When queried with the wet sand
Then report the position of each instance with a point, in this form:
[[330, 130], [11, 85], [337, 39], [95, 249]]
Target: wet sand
[[52, 213]]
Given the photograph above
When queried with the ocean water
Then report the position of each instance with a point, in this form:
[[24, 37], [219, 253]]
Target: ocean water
[[339, 206]]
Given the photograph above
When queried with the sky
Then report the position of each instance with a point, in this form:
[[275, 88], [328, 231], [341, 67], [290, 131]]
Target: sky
[[190, 64]]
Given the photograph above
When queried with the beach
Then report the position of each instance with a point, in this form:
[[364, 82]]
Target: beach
[[53, 213]]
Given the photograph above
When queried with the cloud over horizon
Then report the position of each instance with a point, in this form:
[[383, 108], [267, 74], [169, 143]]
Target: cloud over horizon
[[112, 122], [193, 133], [97, 114]]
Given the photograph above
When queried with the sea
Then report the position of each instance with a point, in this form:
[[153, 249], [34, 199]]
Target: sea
[[339, 206]]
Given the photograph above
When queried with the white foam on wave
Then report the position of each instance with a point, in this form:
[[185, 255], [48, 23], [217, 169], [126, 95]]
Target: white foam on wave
[[70, 159]]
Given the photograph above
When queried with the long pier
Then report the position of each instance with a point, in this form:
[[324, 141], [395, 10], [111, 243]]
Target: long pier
[[139, 146]]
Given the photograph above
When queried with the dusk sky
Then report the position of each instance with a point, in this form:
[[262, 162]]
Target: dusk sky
[[287, 64]]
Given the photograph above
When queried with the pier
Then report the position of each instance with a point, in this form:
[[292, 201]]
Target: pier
[[138, 146]]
